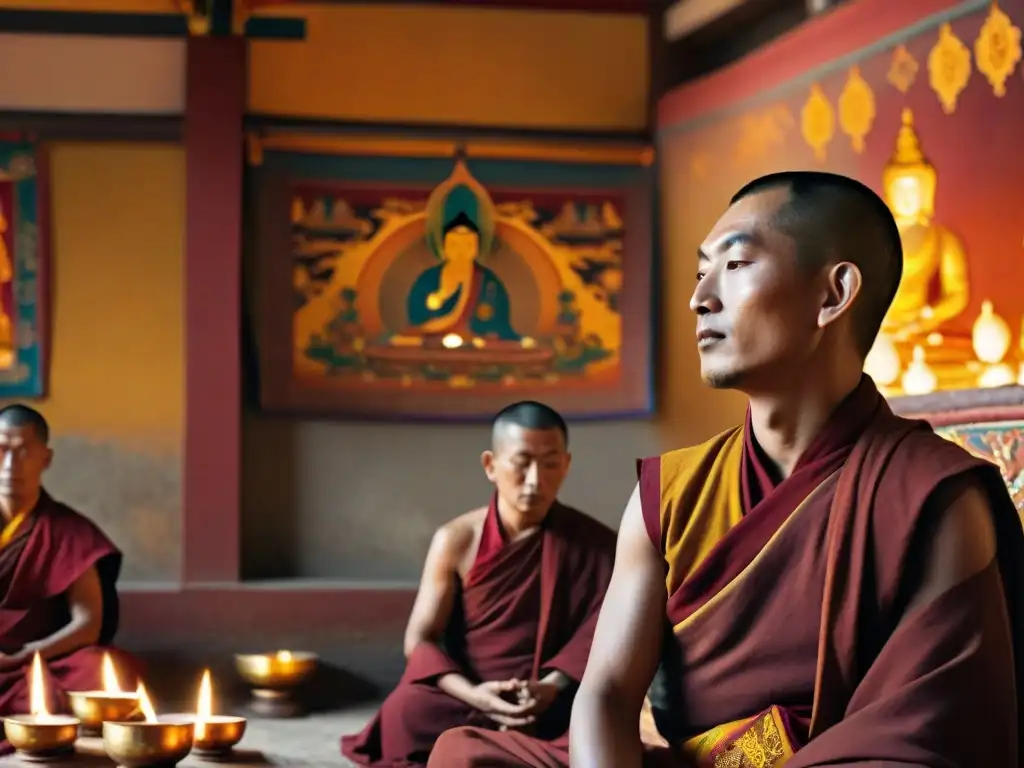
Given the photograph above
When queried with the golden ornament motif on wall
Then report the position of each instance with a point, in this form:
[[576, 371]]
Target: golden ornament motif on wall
[[903, 70], [856, 109], [949, 68], [818, 122], [761, 132], [997, 49]]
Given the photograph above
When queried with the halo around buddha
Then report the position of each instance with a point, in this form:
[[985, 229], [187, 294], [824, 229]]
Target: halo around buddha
[[460, 195]]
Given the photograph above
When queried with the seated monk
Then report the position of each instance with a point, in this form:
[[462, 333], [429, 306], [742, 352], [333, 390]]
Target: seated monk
[[827, 584], [58, 575], [501, 627]]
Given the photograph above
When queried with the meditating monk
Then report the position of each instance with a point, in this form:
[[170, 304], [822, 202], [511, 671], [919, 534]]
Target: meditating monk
[[828, 584], [58, 575], [501, 626]]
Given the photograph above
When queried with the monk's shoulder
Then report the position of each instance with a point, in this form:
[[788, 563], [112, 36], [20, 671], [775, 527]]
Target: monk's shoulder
[[71, 520], [72, 528], [685, 462], [461, 535], [922, 463]]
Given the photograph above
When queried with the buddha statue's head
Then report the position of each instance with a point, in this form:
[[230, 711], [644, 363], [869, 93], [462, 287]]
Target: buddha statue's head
[[461, 240], [909, 179]]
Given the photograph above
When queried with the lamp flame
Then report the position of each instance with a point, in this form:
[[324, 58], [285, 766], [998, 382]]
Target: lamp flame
[[37, 689], [284, 656], [110, 682], [145, 705], [204, 704]]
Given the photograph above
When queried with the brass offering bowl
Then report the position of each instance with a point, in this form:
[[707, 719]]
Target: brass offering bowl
[[42, 738], [94, 708], [162, 744], [274, 677], [216, 735]]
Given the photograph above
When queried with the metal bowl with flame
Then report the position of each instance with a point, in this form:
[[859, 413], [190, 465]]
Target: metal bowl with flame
[[274, 678], [42, 738], [144, 744], [150, 743], [39, 736], [215, 735], [93, 708]]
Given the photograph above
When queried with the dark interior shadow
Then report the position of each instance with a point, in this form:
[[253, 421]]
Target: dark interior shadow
[[334, 688]]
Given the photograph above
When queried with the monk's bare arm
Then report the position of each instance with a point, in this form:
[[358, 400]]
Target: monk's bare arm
[[435, 598], [605, 729], [85, 604]]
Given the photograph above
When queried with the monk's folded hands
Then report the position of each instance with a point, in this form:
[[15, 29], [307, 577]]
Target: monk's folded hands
[[492, 699]]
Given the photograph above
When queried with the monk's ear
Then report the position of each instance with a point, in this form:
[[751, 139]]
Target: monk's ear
[[843, 284], [48, 459], [487, 462]]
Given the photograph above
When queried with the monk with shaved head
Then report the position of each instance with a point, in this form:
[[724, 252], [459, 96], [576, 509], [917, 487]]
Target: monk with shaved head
[[58, 575], [501, 627], [826, 584]]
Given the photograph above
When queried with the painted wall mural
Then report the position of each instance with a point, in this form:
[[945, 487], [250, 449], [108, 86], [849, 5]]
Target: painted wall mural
[[445, 300], [24, 270]]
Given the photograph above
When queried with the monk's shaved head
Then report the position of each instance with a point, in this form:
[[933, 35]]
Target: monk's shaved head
[[528, 460], [834, 218], [23, 417], [527, 414]]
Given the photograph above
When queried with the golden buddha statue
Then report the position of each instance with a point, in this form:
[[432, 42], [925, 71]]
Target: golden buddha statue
[[934, 287]]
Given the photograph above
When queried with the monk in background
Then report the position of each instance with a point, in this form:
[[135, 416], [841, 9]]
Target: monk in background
[[58, 576], [501, 627], [827, 584]]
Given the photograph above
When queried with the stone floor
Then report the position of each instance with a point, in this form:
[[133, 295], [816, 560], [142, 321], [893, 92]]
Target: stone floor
[[308, 741]]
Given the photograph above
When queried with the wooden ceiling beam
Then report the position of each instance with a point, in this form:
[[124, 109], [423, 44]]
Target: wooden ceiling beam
[[639, 7]]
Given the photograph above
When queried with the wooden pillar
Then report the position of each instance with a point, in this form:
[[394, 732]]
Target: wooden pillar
[[657, 62], [216, 83]]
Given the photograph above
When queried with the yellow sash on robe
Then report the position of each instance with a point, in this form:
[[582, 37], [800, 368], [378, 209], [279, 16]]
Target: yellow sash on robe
[[700, 501], [13, 526]]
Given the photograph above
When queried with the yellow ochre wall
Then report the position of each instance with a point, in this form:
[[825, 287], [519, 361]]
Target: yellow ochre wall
[[405, 63], [116, 379]]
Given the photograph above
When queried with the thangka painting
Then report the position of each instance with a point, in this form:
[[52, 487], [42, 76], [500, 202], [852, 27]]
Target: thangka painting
[[23, 271], [454, 299]]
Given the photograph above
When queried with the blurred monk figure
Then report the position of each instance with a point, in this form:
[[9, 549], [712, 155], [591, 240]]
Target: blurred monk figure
[[501, 627], [58, 575], [827, 584]]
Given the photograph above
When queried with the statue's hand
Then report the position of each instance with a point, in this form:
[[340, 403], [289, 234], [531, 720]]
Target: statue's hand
[[434, 301]]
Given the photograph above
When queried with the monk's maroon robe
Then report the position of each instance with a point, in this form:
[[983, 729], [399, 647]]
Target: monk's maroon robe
[[525, 608], [51, 551], [802, 607]]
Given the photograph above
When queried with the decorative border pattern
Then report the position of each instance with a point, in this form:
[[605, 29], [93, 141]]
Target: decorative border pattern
[[1002, 443]]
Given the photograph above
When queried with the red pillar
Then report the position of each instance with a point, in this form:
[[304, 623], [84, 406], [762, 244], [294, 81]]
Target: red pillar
[[216, 83]]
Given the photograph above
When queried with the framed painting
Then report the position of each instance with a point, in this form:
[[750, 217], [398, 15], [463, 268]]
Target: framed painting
[[448, 286], [24, 270]]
